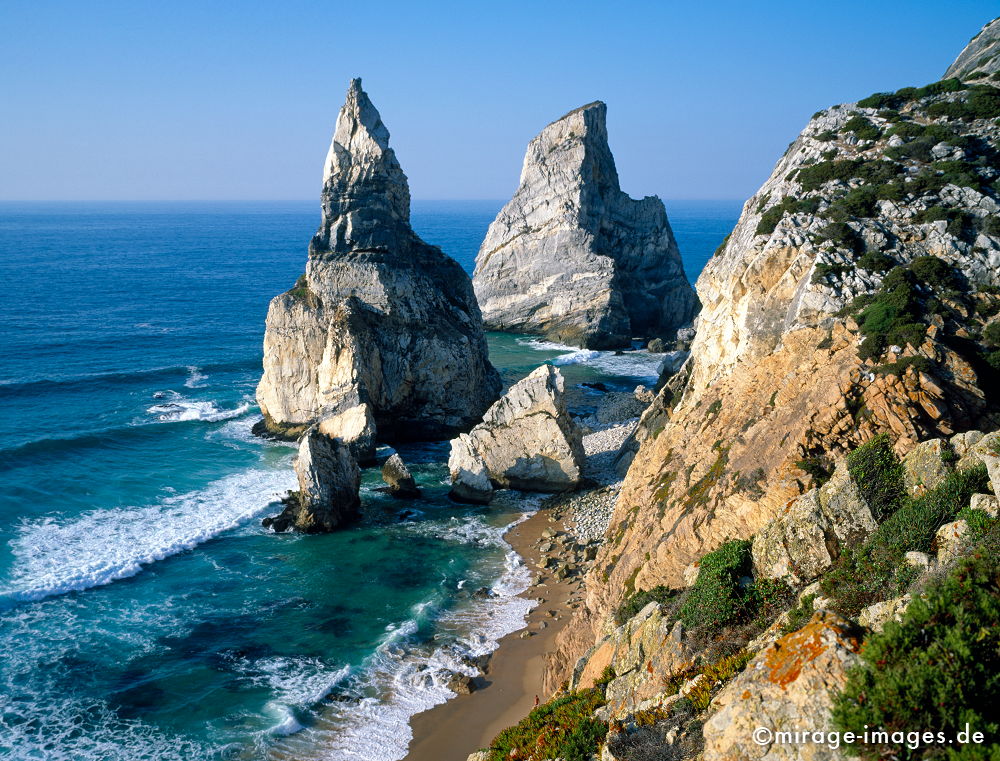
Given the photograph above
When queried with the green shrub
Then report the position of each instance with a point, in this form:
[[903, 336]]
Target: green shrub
[[564, 727], [980, 523], [815, 176], [906, 94], [799, 615], [823, 271], [877, 571], [991, 226], [918, 149], [857, 202], [722, 246], [877, 471], [892, 316], [862, 128], [939, 668], [717, 598], [933, 271], [641, 599], [815, 467], [981, 102], [875, 261], [991, 333], [826, 136], [788, 205], [907, 130], [900, 366], [843, 235]]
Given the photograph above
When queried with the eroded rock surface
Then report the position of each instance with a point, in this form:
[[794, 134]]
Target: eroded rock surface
[[329, 480], [380, 318], [527, 440], [806, 539], [573, 257], [787, 687], [981, 56], [399, 479]]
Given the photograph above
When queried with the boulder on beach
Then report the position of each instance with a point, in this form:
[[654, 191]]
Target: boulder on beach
[[329, 481], [527, 440]]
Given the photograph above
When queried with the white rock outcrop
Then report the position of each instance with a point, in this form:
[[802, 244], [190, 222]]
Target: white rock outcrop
[[527, 440], [573, 257], [380, 318], [329, 481]]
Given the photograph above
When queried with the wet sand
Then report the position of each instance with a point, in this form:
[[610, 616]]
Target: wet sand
[[467, 723]]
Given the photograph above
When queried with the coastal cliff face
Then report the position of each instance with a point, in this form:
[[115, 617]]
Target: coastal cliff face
[[856, 295], [380, 321], [574, 258], [981, 57]]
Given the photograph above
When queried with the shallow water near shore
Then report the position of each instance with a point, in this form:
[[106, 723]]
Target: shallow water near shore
[[144, 613]]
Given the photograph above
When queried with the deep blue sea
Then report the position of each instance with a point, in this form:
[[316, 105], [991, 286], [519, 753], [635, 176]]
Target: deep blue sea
[[144, 613]]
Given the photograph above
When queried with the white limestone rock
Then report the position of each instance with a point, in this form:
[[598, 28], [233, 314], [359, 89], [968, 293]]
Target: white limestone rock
[[573, 257], [527, 440], [329, 481], [469, 480], [380, 318]]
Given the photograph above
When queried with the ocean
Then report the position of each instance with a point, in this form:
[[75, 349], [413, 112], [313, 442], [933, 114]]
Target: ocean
[[144, 612]]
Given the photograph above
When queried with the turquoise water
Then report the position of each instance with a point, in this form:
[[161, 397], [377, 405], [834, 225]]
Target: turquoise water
[[144, 614]]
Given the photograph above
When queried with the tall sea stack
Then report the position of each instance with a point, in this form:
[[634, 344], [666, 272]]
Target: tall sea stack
[[382, 329], [574, 258]]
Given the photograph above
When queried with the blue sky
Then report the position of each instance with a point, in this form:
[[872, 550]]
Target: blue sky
[[237, 100]]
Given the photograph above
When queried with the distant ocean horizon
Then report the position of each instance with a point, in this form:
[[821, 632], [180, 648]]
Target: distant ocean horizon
[[144, 612]]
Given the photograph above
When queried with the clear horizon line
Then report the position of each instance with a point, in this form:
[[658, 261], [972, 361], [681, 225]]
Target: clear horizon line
[[284, 200]]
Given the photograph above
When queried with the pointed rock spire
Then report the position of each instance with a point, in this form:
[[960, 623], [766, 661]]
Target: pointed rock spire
[[382, 335], [573, 257], [365, 198]]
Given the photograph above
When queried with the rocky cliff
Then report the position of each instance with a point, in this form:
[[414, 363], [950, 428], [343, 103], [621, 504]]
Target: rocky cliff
[[857, 294], [981, 57], [382, 327], [574, 258]]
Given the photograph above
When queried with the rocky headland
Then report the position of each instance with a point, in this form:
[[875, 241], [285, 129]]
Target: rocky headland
[[809, 523], [572, 257], [382, 336]]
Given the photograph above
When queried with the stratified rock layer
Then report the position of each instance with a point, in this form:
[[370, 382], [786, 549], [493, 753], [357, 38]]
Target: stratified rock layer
[[527, 440], [573, 257], [380, 318]]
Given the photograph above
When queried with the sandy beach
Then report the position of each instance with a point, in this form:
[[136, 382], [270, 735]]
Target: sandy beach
[[506, 693]]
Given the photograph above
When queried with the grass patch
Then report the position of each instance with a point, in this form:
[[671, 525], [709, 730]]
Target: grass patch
[[878, 473], [876, 570], [563, 727]]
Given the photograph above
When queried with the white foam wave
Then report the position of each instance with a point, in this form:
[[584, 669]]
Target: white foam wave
[[409, 681], [178, 411], [642, 364], [73, 730], [54, 556], [540, 344], [196, 378]]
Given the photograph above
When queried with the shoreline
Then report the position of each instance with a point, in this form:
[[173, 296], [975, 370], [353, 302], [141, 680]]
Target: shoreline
[[506, 692]]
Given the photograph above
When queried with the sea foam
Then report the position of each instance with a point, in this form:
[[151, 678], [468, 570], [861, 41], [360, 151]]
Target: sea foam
[[54, 556], [406, 677]]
